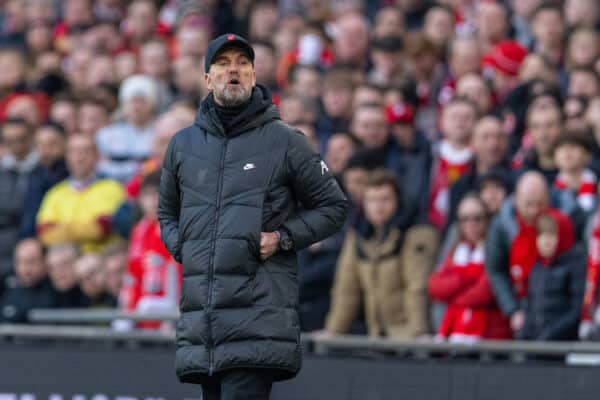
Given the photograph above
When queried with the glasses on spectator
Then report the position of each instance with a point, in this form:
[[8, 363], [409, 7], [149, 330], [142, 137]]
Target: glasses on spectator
[[471, 218]]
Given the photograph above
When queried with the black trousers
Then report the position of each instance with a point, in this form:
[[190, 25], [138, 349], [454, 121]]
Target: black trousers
[[238, 384]]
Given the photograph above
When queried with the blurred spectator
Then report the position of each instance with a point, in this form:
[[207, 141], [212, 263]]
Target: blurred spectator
[[12, 65], [489, 144], [123, 146], [92, 115], [153, 283], [188, 83], [16, 168], [472, 313], [395, 302], [503, 62], [335, 114], [492, 23], [155, 63], [80, 209], [475, 88], [574, 111], [265, 64], [92, 280], [556, 284], [60, 259], [582, 13], [583, 48], [340, 148], [29, 288], [583, 81], [167, 125], [50, 144], [439, 25], [367, 94], [571, 154], [141, 23], [64, 112], [464, 56], [369, 125], [548, 27], [388, 61], [351, 40], [452, 158], [305, 81], [389, 21], [544, 124], [115, 264], [509, 251], [521, 20], [493, 188]]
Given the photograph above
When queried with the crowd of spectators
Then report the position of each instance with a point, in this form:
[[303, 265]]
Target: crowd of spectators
[[466, 134]]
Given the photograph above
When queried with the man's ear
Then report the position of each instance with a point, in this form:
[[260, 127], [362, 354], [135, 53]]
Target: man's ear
[[253, 78], [208, 81]]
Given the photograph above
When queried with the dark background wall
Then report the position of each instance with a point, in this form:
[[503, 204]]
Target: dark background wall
[[104, 372]]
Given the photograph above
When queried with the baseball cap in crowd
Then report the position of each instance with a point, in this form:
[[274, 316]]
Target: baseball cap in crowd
[[506, 57], [400, 113], [223, 42], [139, 86]]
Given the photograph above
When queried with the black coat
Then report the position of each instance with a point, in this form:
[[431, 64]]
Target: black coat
[[218, 191], [555, 296], [17, 300]]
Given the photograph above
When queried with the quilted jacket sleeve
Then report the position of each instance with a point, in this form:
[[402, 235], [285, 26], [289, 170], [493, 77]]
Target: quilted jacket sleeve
[[325, 207], [169, 204]]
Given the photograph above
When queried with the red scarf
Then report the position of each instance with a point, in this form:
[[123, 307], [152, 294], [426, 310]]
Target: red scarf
[[586, 192], [450, 165], [590, 299]]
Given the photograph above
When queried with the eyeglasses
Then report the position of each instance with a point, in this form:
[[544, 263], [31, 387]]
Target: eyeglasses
[[473, 218]]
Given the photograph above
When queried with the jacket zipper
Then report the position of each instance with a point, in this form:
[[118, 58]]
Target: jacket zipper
[[211, 267]]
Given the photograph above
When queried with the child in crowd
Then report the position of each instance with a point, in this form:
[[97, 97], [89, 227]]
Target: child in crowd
[[472, 313], [572, 155], [153, 282], [556, 285]]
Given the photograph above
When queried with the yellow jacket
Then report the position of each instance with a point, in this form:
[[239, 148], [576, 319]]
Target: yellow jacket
[[80, 216]]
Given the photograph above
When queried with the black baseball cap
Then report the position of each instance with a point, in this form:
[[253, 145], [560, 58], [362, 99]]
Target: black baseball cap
[[223, 42]]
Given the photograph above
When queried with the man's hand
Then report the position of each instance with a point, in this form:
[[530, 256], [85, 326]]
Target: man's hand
[[517, 320], [269, 243]]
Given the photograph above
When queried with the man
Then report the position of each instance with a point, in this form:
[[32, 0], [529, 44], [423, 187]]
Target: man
[[510, 244], [80, 209], [60, 259], [29, 287], [16, 166], [490, 145], [227, 211]]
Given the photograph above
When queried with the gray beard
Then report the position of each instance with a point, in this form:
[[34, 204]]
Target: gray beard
[[232, 97]]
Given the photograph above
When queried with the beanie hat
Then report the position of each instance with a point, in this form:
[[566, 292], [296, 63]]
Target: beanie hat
[[506, 56], [139, 86]]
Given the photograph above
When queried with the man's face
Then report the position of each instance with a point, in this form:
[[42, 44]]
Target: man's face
[[81, 156], [91, 117], [493, 195], [50, 145], [548, 28], [492, 23], [29, 263], [380, 204], [61, 267], [458, 120], [545, 126], [307, 82], [581, 12], [339, 151], [465, 58], [370, 126], [337, 101], [355, 182], [231, 77], [583, 84], [438, 25], [531, 201], [489, 142], [17, 140], [264, 64], [474, 88]]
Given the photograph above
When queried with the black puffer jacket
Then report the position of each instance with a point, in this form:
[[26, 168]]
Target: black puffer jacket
[[218, 191]]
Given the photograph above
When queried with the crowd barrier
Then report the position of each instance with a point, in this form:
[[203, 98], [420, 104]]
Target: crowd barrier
[[53, 362]]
